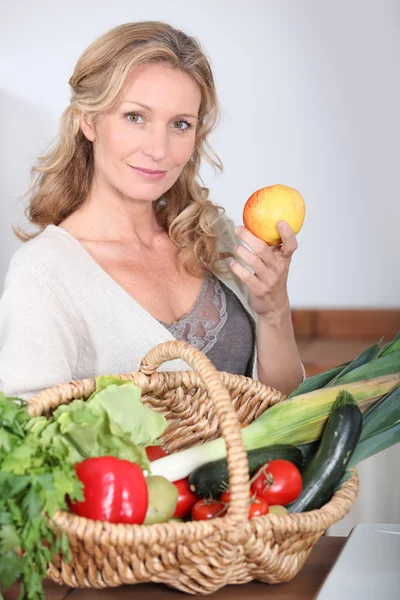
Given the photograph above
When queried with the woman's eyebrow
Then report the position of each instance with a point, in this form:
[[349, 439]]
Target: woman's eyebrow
[[148, 108]]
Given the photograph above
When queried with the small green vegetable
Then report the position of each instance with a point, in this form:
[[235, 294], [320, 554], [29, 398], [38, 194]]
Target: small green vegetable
[[163, 497], [338, 442]]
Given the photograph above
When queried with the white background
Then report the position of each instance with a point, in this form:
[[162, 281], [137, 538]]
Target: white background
[[310, 95]]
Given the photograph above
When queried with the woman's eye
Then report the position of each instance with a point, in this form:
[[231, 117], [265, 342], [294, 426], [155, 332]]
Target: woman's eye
[[182, 125], [133, 117]]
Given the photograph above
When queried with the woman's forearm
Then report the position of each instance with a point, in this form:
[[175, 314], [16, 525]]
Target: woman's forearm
[[279, 364]]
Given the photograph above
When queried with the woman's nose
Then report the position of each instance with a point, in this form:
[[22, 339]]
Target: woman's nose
[[155, 144]]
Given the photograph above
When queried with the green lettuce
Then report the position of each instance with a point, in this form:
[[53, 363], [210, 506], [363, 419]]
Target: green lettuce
[[113, 421]]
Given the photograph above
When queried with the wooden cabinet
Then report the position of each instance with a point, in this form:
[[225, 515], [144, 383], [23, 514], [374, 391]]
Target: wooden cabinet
[[326, 338]]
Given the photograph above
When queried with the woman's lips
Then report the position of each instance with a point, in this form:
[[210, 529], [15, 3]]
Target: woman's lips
[[149, 174]]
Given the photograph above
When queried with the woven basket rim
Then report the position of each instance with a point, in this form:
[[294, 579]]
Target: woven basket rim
[[82, 388]]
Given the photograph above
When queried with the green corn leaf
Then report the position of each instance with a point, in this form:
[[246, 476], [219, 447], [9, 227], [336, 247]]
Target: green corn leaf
[[363, 359]]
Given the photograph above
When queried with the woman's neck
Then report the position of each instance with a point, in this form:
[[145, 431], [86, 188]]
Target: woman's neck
[[107, 217]]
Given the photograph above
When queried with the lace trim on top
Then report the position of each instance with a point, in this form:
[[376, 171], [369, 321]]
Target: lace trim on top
[[205, 319]]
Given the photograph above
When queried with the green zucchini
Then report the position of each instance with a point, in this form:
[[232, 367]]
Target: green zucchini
[[308, 451], [210, 479], [339, 440]]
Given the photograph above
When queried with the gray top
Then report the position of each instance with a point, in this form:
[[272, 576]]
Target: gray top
[[219, 326]]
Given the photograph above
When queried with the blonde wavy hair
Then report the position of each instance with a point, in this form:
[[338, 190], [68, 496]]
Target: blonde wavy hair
[[62, 178]]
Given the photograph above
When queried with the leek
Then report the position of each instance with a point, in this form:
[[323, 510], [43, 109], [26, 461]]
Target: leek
[[371, 376], [296, 421], [376, 443], [372, 445]]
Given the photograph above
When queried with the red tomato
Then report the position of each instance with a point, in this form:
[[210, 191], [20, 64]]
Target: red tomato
[[114, 490], [155, 452], [278, 482], [207, 509], [225, 497], [186, 498], [258, 507]]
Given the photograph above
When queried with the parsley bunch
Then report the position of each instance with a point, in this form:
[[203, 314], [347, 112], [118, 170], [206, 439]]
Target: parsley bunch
[[34, 482]]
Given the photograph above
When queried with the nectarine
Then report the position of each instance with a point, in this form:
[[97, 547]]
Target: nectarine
[[271, 204]]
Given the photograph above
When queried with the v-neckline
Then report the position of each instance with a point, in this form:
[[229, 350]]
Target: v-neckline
[[198, 298], [119, 288]]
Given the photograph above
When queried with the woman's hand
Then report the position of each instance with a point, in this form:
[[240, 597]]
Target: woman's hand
[[268, 284]]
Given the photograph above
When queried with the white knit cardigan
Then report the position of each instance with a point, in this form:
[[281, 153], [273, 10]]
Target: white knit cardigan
[[63, 318]]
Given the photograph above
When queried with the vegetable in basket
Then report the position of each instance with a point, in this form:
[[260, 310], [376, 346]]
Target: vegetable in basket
[[186, 498], [258, 505], [37, 455], [339, 440], [301, 418], [114, 490], [381, 429], [205, 509], [163, 497], [113, 421], [212, 478], [277, 482]]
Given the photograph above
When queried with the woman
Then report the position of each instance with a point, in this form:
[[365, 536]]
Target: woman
[[129, 251]]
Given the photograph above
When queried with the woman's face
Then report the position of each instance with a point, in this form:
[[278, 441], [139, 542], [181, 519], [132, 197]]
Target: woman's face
[[152, 127]]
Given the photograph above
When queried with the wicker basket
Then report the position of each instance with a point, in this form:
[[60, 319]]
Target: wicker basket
[[195, 557]]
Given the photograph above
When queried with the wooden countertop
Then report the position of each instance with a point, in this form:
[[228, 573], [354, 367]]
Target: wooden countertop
[[303, 587]]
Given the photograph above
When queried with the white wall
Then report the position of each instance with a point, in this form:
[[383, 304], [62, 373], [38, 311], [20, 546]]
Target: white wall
[[310, 92]]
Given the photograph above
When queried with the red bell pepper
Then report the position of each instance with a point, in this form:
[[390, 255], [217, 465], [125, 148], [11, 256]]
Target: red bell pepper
[[186, 498], [115, 490]]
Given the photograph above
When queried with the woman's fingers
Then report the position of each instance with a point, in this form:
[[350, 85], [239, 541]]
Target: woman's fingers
[[256, 287], [289, 241], [253, 261], [260, 248]]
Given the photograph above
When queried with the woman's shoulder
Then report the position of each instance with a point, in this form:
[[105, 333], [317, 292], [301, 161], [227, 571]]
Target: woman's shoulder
[[44, 254]]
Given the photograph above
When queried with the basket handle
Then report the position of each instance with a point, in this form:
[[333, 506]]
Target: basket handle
[[229, 424]]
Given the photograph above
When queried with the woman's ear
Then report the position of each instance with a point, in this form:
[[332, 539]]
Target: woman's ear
[[87, 127]]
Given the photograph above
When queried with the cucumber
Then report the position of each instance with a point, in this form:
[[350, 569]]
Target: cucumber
[[211, 479], [339, 440]]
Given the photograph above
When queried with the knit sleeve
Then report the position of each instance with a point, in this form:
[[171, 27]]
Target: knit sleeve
[[38, 347]]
